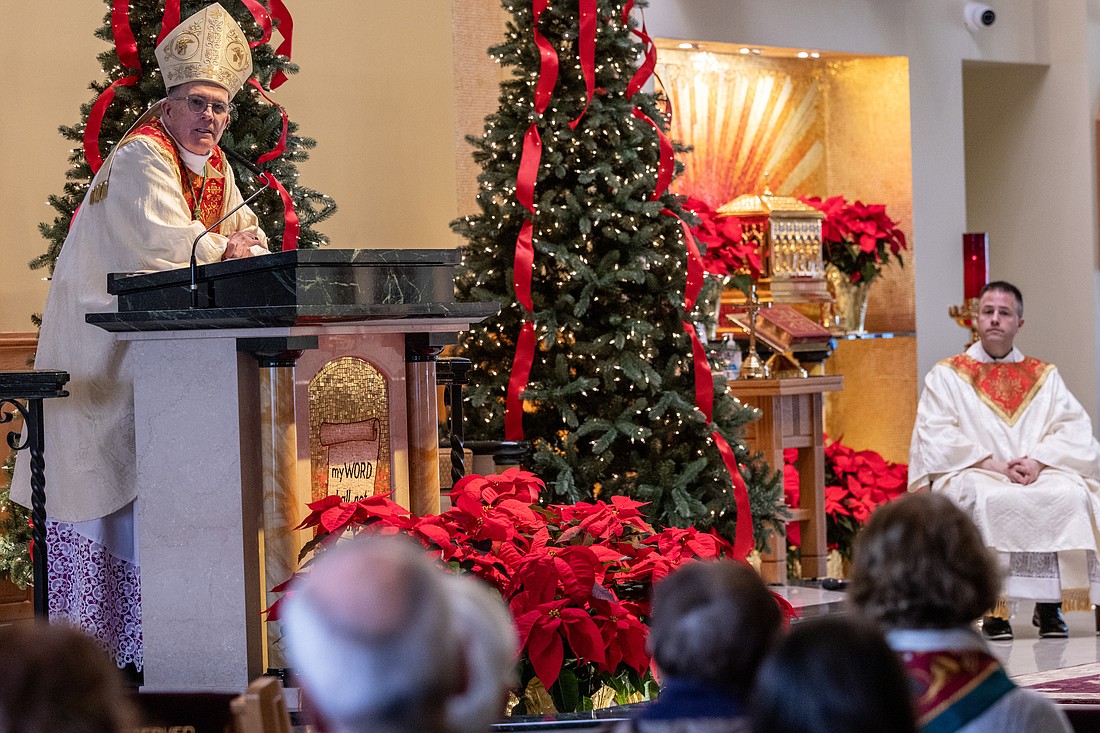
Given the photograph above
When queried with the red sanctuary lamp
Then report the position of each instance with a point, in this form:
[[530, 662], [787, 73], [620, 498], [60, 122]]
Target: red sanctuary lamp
[[975, 263], [975, 276]]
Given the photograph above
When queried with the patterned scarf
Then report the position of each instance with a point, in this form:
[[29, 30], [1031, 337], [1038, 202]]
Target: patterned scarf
[[952, 688]]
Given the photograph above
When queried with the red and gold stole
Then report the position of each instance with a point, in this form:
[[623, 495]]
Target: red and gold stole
[[1007, 388], [205, 195], [952, 688]]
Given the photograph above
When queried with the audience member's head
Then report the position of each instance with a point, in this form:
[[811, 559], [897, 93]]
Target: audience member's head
[[57, 680], [487, 635], [832, 675], [369, 635], [920, 563], [712, 622]]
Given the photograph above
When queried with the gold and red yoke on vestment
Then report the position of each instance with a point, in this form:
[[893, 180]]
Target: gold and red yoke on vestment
[[1007, 388], [205, 195]]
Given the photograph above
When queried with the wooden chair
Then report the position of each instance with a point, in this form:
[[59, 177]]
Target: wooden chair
[[261, 709]]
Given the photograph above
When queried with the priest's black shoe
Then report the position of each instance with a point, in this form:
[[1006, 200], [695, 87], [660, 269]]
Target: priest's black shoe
[[1048, 617], [996, 629]]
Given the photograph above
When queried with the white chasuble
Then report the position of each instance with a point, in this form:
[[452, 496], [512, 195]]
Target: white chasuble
[[972, 409], [144, 223]]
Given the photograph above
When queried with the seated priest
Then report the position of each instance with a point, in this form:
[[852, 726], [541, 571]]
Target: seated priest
[[164, 184], [1001, 434]]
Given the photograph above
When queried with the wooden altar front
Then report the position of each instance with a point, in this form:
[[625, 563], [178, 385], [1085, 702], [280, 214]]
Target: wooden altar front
[[792, 416]]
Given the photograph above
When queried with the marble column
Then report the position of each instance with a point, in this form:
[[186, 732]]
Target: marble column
[[423, 414], [282, 504]]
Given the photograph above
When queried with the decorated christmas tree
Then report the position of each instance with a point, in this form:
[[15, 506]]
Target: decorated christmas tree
[[593, 357], [260, 134]]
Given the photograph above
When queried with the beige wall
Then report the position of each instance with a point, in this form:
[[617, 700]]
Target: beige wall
[[45, 87], [376, 91]]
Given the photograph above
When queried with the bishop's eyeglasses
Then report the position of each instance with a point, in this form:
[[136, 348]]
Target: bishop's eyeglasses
[[198, 105]]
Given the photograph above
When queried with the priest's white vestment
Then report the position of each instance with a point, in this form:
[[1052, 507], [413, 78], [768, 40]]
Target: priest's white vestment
[[973, 408], [145, 222]]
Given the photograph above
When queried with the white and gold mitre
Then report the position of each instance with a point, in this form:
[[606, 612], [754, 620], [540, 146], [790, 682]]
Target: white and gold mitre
[[208, 46]]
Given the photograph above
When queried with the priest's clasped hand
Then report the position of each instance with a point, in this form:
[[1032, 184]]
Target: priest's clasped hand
[[1019, 470]]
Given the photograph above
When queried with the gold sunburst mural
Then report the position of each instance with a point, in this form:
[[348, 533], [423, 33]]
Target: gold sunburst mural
[[750, 122]]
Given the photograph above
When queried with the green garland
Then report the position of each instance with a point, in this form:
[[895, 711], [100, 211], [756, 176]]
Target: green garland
[[15, 534]]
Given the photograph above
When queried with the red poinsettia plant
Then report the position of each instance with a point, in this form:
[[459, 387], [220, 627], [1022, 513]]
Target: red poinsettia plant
[[858, 239], [727, 253], [856, 483], [576, 577]]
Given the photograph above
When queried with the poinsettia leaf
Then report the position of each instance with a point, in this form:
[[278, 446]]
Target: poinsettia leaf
[[325, 502], [337, 517], [538, 577], [544, 649], [576, 566], [570, 533], [435, 534], [565, 692], [470, 483], [606, 554], [281, 587], [310, 545], [273, 611], [583, 635]]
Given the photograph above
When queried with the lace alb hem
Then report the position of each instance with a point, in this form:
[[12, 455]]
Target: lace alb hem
[[92, 589]]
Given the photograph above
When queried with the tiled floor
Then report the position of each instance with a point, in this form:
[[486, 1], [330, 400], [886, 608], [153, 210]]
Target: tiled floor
[[1026, 654], [810, 600]]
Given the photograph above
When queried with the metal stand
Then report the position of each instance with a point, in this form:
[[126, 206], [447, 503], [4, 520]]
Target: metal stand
[[33, 387], [453, 373]]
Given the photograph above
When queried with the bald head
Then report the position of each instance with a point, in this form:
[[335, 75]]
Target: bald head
[[369, 636], [367, 589]]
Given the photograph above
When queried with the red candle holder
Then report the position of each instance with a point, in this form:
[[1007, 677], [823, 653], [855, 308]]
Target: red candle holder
[[975, 263]]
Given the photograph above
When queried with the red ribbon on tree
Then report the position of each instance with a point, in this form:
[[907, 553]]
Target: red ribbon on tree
[[126, 47], [704, 383], [666, 164], [529, 167], [586, 51], [171, 18], [521, 372], [95, 121], [548, 60], [292, 226], [642, 74], [524, 258], [262, 18], [523, 264], [627, 7], [280, 146], [743, 541], [286, 30]]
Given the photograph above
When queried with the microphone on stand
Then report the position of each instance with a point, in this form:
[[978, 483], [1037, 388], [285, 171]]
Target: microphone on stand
[[263, 176]]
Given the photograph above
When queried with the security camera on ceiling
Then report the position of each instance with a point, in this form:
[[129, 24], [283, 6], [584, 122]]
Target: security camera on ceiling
[[978, 16]]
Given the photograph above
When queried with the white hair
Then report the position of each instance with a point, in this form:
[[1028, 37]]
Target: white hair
[[486, 632], [368, 634]]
